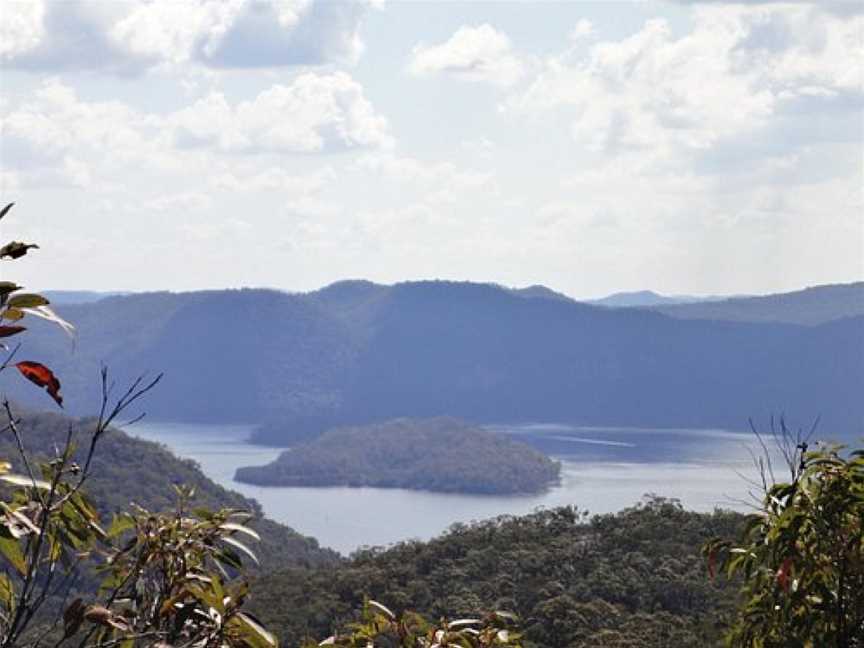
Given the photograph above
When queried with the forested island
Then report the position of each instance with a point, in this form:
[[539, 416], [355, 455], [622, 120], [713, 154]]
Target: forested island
[[440, 454]]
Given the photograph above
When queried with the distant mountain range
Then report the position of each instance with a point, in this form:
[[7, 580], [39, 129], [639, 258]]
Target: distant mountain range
[[640, 298], [815, 305], [357, 352], [78, 296]]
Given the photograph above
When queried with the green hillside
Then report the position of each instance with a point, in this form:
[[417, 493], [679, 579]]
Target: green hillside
[[127, 470], [633, 579]]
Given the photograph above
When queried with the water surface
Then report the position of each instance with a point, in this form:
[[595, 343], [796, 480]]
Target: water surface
[[603, 470]]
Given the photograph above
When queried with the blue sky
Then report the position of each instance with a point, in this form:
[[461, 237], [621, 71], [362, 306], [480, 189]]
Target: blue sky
[[684, 147]]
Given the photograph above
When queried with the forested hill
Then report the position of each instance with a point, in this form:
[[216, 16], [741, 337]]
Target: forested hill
[[440, 454], [357, 352], [635, 578], [127, 470], [815, 305]]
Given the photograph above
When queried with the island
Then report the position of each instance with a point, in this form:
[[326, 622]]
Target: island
[[439, 454]]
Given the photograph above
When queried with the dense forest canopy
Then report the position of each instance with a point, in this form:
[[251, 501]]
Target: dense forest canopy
[[441, 454], [631, 579]]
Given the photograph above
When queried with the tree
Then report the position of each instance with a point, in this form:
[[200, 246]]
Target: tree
[[155, 579], [167, 579], [801, 557]]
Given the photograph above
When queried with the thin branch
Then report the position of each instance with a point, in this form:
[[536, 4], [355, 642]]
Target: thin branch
[[132, 394], [13, 425], [10, 357], [24, 611]]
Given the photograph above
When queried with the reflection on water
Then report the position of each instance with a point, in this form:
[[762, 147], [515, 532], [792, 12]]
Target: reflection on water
[[603, 470]]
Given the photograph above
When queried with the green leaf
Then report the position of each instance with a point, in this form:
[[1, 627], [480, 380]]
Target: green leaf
[[462, 622], [231, 526], [229, 557], [46, 313], [119, 524], [11, 550], [7, 592], [27, 300], [7, 287], [382, 608], [239, 545], [203, 513], [12, 314], [22, 480], [257, 635]]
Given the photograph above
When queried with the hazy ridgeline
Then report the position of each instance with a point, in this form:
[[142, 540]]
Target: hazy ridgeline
[[356, 352]]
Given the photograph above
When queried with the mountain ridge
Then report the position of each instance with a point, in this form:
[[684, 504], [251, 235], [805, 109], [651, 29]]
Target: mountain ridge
[[645, 298], [359, 352]]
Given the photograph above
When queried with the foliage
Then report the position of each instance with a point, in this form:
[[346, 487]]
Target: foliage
[[802, 558], [378, 625], [630, 579], [171, 581], [441, 454], [169, 578]]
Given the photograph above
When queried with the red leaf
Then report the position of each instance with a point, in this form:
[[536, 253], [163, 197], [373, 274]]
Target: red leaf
[[6, 331], [712, 565], [783, 574], [41, 375]]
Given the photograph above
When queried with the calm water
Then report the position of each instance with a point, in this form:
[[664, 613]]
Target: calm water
[[603, 470]]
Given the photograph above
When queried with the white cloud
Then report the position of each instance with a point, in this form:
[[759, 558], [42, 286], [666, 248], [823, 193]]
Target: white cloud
[[725, 131], [838, 7], [739, 138], [54, 138], [67, 36], [274, 179], [583, 29], [247, 33], [130, 37], [314, 113], [182, 202], [472, 54], [21, 28], [57, 138], [733, 76], [433, 183]]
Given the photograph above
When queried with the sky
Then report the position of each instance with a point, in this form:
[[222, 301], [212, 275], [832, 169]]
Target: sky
[[683, 147]]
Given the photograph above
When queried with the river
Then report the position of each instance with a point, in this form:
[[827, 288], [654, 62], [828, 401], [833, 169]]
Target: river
[[603, 470]]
